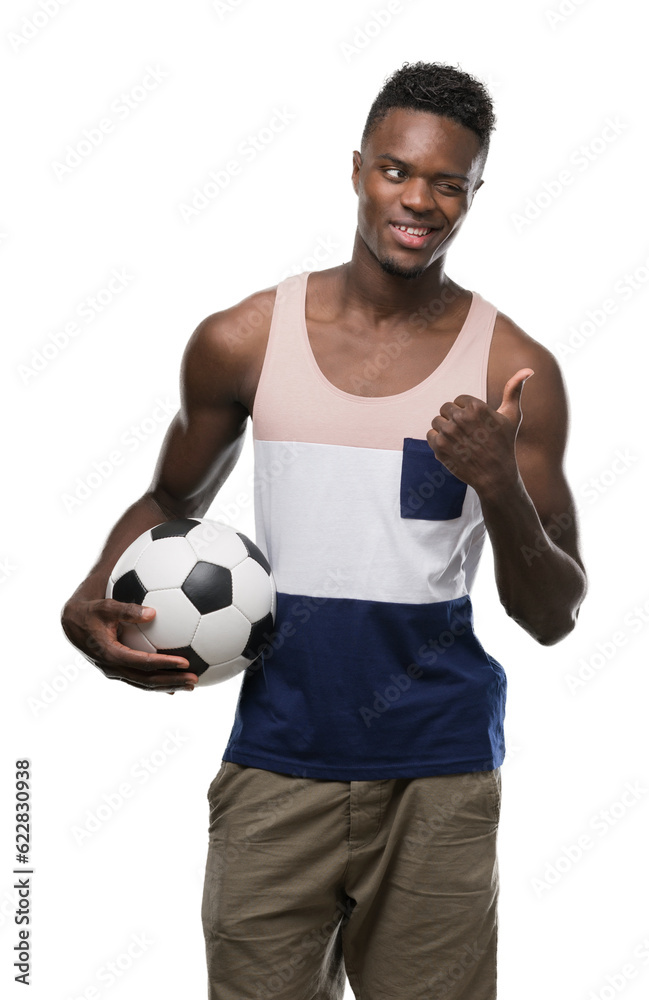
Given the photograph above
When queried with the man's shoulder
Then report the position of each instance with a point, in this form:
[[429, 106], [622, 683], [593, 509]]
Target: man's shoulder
[[512, 344], [238, 327], [231, 344], [512, 348], [227, 347], [242, 329]]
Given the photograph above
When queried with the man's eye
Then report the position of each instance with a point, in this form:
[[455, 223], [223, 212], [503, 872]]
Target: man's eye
[[396, 169]]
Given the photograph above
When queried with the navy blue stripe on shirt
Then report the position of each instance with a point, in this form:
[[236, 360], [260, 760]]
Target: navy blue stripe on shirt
[[339, 682]]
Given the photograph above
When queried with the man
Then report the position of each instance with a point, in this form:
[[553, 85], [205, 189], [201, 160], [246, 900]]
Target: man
[[353, 821]]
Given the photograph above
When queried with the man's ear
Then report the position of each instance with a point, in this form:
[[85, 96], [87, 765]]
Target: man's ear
[[476, 188], [357, 161]]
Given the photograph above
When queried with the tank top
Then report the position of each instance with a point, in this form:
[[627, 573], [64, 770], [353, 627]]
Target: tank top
[[373, 669]]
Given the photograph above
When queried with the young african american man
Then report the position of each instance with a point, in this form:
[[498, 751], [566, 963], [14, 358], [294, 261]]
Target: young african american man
[[353, 820]]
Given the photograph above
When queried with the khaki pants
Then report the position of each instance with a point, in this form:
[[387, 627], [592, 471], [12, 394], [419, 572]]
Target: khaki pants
[[392, 883]]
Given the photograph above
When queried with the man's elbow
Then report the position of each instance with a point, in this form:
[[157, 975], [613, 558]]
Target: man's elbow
[[550, 631], [554, 633]]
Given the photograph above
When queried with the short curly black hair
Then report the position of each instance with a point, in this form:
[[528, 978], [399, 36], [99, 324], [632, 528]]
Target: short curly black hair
[[441, 89]]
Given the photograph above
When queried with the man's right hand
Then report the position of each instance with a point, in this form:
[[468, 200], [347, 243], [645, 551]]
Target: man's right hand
[[92, 626], [201, 447]]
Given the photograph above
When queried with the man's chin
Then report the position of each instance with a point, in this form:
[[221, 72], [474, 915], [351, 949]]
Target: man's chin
[[391, 266]]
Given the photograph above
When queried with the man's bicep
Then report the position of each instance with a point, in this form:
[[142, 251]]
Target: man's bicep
[[196, 458], [205, 437]]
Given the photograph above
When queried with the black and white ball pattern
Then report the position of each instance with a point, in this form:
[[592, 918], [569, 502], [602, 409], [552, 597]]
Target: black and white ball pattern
[[212, 589]]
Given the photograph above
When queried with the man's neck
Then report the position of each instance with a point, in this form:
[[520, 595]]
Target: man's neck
[[367, 287]]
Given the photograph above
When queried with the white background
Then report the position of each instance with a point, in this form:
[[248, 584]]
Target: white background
[[571, 753]]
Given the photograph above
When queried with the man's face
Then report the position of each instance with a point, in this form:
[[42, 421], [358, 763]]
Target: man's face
[[404, 179]]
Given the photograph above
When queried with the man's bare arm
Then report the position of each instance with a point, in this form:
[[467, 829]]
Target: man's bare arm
[[199, 451], [532, 523], [516, 467]]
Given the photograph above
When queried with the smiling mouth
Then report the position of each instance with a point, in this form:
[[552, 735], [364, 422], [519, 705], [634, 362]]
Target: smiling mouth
[[414, 230], [413, 237]]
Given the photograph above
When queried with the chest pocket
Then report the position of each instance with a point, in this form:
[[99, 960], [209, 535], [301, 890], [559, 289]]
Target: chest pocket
[[429, 492]]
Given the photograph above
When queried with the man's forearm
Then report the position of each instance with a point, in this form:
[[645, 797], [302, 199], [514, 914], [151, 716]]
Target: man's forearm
[[143, 514], [540, 585]]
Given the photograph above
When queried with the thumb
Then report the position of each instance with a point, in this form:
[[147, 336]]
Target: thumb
[[511, 404]]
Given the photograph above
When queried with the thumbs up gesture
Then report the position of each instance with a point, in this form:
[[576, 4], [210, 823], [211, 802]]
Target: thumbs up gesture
[[477, 443]]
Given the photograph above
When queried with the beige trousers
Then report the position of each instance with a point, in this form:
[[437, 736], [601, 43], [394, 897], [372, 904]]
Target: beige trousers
[[390, 883]]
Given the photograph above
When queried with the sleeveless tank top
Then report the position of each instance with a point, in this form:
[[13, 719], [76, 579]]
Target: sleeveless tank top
[[372, 669]]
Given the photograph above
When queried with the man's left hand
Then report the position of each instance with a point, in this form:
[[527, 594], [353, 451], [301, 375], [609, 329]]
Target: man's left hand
[[477, 443]]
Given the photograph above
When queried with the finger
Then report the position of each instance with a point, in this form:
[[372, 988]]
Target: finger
[[107, 646], [511, 404], [441, 424], [114, 652], [121, 611], [435, 440], [165, 681], [446, 410], [465, 400]]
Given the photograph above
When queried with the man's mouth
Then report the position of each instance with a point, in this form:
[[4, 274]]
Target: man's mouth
[[415, 232], [412, 236]]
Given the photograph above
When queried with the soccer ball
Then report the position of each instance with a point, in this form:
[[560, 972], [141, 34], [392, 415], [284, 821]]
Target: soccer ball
[[212, 589]]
